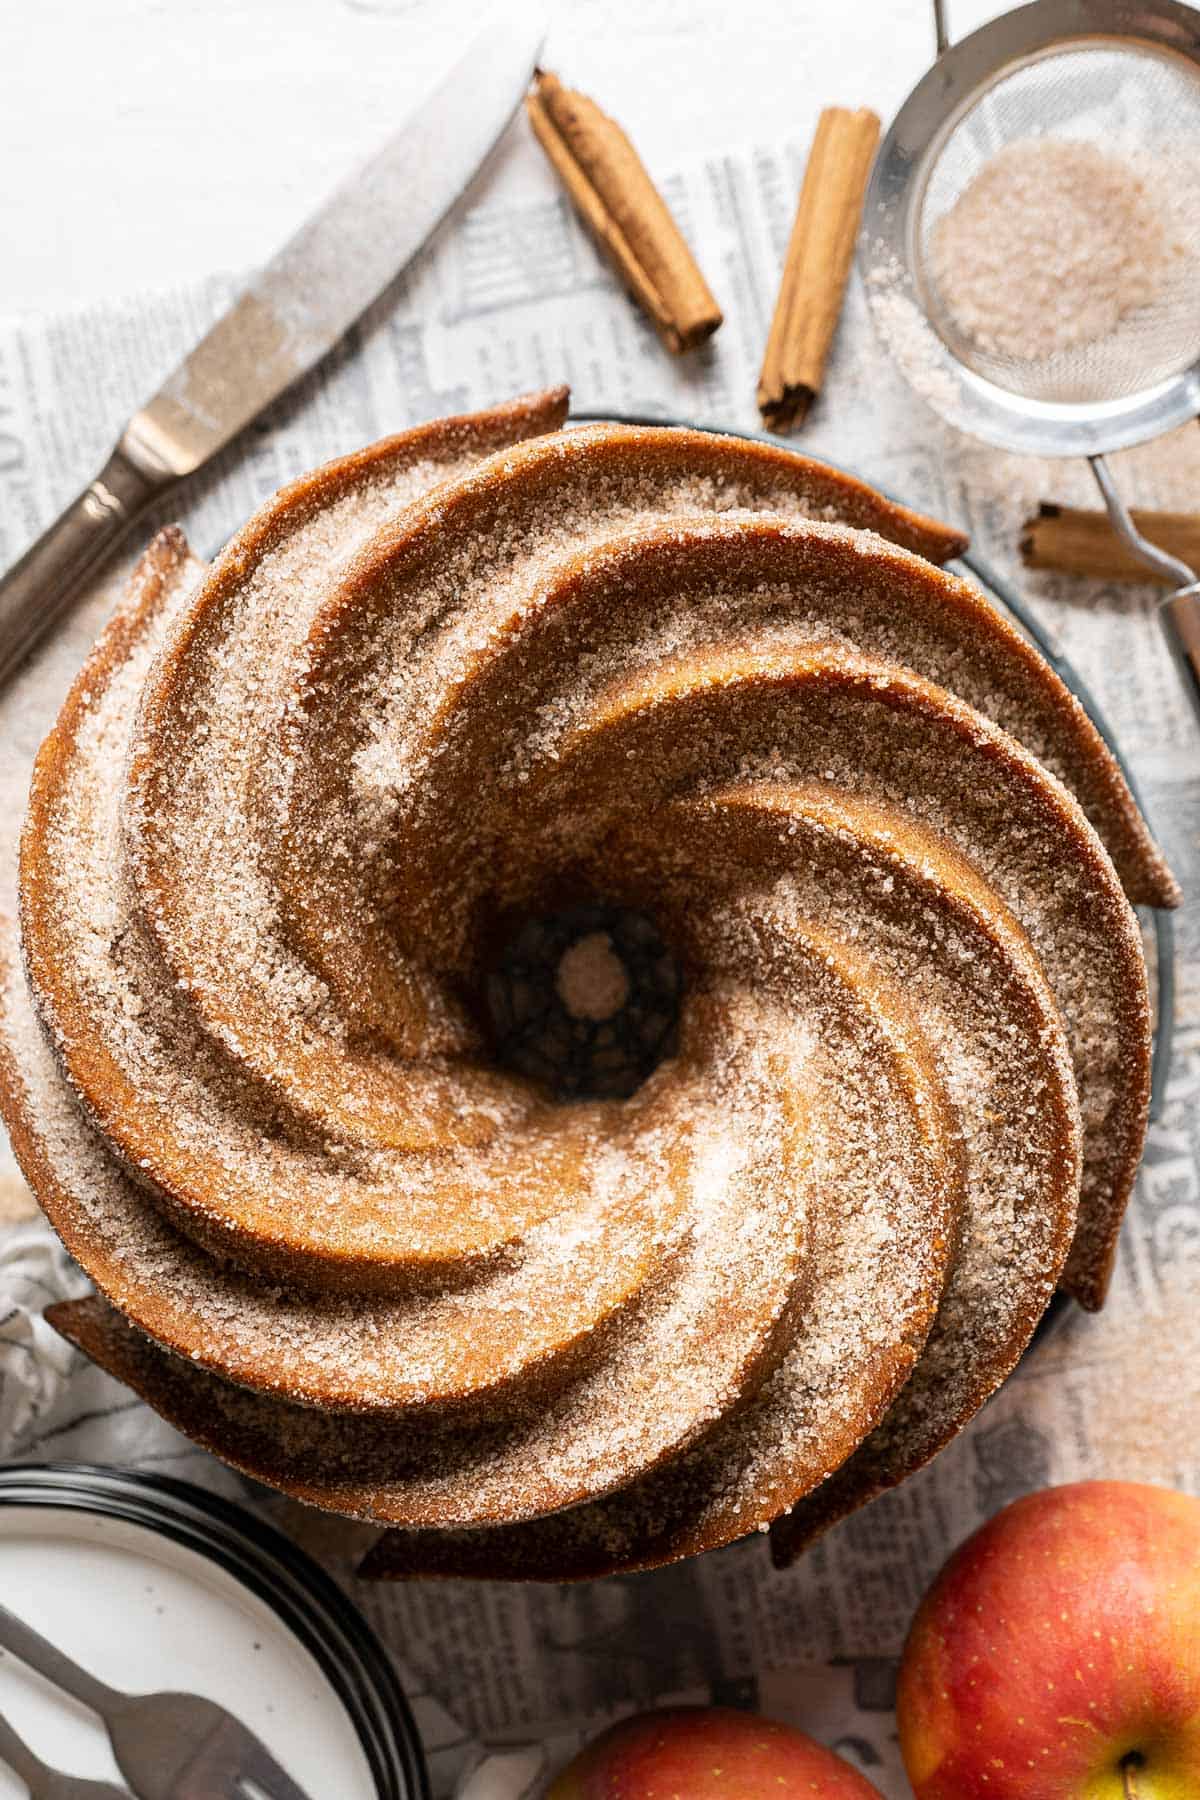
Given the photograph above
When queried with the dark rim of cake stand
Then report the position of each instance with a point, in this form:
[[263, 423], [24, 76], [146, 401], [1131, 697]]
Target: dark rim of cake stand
[[284, 1577], [1160, 921]]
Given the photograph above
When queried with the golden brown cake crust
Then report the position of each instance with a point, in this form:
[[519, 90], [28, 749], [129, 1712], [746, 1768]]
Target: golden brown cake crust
[[289, 812], [373, 1471], [888, 731], [115, 1104]]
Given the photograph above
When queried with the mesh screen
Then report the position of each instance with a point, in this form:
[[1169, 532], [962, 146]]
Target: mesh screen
[[1057, 239]]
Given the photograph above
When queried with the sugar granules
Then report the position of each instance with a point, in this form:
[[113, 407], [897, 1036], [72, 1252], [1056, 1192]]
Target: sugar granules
[[1051, 245]]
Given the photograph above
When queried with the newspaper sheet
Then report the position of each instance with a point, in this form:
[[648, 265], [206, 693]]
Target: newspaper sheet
[[507, 1679]]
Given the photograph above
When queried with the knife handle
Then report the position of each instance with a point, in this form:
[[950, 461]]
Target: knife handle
[[38, 589]]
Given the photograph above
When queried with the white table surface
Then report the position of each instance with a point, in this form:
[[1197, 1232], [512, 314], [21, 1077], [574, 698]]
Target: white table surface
[[147, 142]]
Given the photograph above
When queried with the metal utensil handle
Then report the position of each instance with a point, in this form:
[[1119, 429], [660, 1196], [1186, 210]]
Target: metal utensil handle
[[20, 1758], [1180, 611], [38, 589], [1180, 615], [29, 1646]]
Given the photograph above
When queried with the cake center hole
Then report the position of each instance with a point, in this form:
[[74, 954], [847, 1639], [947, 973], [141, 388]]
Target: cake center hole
[[585, 1001]]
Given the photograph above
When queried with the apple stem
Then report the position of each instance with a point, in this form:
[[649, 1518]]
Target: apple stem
[[1129, 1764]]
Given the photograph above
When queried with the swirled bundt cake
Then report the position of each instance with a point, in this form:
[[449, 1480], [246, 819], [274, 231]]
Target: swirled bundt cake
[[830, 882]]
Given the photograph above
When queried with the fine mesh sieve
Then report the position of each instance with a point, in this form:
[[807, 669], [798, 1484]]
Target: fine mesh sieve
[[1106, 142], [1031, 242]]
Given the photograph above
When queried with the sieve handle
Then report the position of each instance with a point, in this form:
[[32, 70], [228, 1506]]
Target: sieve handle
[[1180, 615], [1180, 612], [1170, 568]]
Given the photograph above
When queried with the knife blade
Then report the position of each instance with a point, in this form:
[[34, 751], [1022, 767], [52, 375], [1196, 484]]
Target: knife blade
[[289, 317]]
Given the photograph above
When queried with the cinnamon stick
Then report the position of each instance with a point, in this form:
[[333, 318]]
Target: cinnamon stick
[[624, 211], [1082, 542], [817, 265]]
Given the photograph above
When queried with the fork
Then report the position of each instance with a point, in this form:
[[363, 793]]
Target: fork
[[167, 1746], [45, 1783]]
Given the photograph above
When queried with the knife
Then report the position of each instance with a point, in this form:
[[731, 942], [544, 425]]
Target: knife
[[292, 314]]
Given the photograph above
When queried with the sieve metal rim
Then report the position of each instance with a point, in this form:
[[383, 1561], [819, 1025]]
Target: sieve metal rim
[[960, 77]]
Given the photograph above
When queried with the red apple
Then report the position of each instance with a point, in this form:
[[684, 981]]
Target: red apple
[[1057, 1655], [708, 1753]]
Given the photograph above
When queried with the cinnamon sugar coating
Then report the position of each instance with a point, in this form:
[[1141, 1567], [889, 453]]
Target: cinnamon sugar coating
[[449, 683]]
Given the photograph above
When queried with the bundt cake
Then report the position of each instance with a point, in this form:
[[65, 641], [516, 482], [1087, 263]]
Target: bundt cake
[[665, 761]]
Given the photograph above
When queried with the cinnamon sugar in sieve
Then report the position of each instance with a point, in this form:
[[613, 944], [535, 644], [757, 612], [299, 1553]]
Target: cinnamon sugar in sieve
[[1055, 245]]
